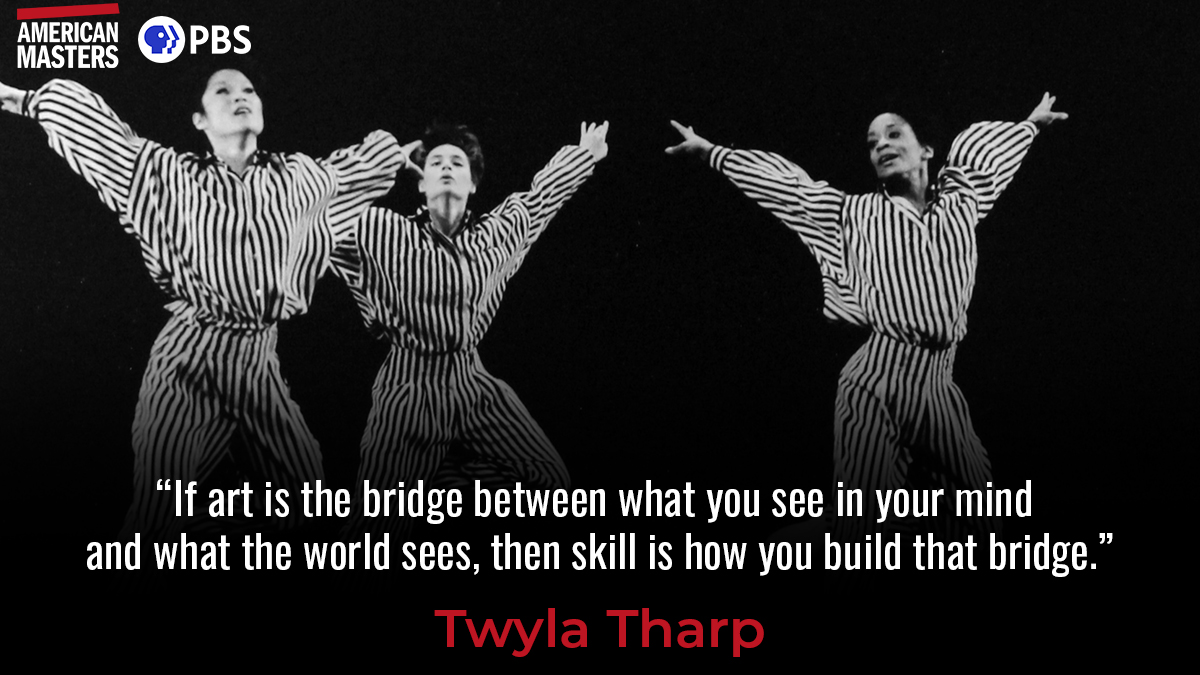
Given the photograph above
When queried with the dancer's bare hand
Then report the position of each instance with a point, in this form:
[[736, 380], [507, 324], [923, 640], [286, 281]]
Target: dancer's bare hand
[[409, 165], [11, 98], [692, 144], [594, 138], [1042, 115]]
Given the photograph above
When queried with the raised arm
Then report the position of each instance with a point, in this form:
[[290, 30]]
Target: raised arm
[[809, 208], [86, 132], [528, 213], [984, 159]]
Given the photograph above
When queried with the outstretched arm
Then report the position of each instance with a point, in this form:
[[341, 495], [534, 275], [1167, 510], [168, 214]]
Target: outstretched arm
[[528, 213], [86, 132], [984, 159], [694, 145], [810, 208]]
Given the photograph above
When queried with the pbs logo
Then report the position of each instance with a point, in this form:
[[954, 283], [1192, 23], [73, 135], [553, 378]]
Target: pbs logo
[[161, 39]]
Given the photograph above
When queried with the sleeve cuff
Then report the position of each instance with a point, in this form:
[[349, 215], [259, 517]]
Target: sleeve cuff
[[716, 156]]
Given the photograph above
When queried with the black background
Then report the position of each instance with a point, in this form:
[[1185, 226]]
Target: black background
[[664, 328]]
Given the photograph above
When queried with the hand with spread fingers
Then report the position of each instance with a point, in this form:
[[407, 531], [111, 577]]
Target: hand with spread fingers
[[594, 138], [1042, 115]]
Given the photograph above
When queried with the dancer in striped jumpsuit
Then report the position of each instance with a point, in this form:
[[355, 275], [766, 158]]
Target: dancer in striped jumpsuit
[[237, 240], [904, 266], [430, 285]]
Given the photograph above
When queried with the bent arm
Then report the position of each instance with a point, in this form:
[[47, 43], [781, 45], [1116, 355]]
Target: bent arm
[[364, 172], [82, 129], [984, 159], [346, 258]]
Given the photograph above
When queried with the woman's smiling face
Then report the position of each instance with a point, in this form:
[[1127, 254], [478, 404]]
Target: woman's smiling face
[[894, 148]]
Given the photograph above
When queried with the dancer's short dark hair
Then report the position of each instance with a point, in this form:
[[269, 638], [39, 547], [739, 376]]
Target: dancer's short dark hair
[[459, 136], [915, 108], [925, 127]]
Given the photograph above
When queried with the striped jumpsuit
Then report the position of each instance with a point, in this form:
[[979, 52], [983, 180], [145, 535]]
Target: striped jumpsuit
[[235, 255], [433, 297], [900, 421]]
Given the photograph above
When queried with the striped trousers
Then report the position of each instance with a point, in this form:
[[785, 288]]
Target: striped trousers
[[901, 422], [445, 420], [205, 384]]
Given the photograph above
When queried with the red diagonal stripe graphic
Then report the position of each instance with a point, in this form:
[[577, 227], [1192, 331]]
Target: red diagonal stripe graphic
[[66, 11]]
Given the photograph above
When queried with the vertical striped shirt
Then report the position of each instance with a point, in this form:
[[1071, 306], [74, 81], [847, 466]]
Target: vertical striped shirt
[[239, 250], [433, 294], [884, 264]]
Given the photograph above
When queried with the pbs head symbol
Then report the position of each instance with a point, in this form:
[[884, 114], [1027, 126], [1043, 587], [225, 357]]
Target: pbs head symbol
[[161, 39]]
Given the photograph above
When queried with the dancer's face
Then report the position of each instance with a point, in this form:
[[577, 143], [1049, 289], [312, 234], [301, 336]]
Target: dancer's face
[[447, 171], [231, 105], [894, 148]]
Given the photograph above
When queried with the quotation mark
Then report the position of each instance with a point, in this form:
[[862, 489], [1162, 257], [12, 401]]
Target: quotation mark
[[159, 485], [1106, 537]]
